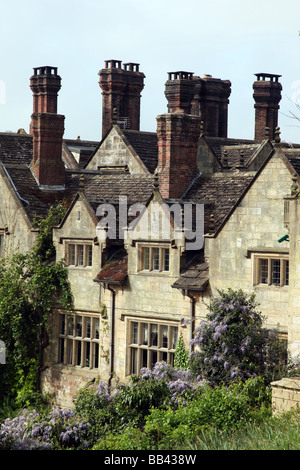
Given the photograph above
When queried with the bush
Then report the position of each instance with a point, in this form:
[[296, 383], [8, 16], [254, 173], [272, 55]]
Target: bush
[[221, 407], [60, 429], [233, 345]]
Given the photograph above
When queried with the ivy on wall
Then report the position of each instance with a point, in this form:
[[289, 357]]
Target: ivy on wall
[[31, 286]]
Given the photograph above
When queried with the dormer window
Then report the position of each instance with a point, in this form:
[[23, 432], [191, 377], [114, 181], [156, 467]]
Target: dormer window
[[79, 254], [154, 258]]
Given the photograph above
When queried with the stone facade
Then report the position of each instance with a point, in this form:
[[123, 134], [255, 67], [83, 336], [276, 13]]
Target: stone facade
[[253, 231], [141, 272]]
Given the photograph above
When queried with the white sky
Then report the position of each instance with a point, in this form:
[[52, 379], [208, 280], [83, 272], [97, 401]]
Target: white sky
[[229, 39]]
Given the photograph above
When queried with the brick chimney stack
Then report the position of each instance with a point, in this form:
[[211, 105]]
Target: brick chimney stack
[[267, 95], [214, 99], [47, 129], [206, 97], [177, 135], [121, 94]]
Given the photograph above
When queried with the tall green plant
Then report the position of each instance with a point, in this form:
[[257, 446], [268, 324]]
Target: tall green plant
[[31, 285], [181, 360]]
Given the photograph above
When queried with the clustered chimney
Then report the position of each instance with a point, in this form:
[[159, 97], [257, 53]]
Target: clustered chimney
[[206, 97], [267, 95], [177, 135], [191, 100], [121, 94], [47, 129]]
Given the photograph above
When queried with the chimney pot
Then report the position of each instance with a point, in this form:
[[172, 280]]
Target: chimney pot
[[267, 95]]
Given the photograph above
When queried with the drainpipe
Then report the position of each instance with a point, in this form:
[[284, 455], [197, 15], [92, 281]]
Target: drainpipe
[[192, 316], [112, 333]]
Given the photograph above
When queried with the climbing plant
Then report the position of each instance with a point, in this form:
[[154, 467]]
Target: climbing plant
[[31, 286]]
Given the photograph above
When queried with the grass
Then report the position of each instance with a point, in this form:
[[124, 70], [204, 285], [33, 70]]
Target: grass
[[277, 433]]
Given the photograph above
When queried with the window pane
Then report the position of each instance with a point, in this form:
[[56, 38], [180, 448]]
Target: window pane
[[134, 361], [70, 325], [95, 355], [154, 335], [275, 272], [79, 325], [61, 350], [80, 258], [62, 324], [166, 259], [144, 358], [146, 258], [72, 255], [96, 328], [88, 327], [69, 351], [89, 255], [78, 353], [145, 334], [164, 339], [174, 337], [153, 358], [287, 273], [135, 331], [155, 262], [87, 350], [263, 271]]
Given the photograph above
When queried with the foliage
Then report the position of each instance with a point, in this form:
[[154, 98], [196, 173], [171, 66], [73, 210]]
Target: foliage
[[181, 355], [58, 430], [154, 411], [223, 407], [233, 344], [31, 285]]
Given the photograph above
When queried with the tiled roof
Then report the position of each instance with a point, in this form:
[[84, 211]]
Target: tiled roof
[[114, 270], [222, 190], [195, 276], [145, 145], [36, 202], [15, 148], [233, 147]]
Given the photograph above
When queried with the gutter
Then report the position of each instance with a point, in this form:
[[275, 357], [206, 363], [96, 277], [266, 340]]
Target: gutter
[[112, 332], [192, 316]]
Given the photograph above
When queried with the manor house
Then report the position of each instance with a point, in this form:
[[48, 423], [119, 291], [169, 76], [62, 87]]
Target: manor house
[[156, 222]]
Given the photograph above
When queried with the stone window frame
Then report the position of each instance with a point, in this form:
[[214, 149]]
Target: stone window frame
[[158, 257], [79, 340], [3, 233], [147, 343], [275, 265], [87, 253]]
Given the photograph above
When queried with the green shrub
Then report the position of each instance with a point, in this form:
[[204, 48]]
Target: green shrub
[[221, 407], [233, 345]]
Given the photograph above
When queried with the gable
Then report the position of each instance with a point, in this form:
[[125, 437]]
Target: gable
[[115, 155]]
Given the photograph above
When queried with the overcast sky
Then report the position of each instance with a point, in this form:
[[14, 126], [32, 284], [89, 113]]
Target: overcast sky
[[229, 39]]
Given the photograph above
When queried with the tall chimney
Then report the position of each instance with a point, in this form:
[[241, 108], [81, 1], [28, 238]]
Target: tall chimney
[[214, 99], [206, 97], [267, 95], [121, 94], [177, 135], [47, 129]]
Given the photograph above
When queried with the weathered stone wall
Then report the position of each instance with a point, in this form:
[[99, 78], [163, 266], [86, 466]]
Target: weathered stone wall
[[114, 151], [18, 236], [145, 296], [285, 394], [254, 227]]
